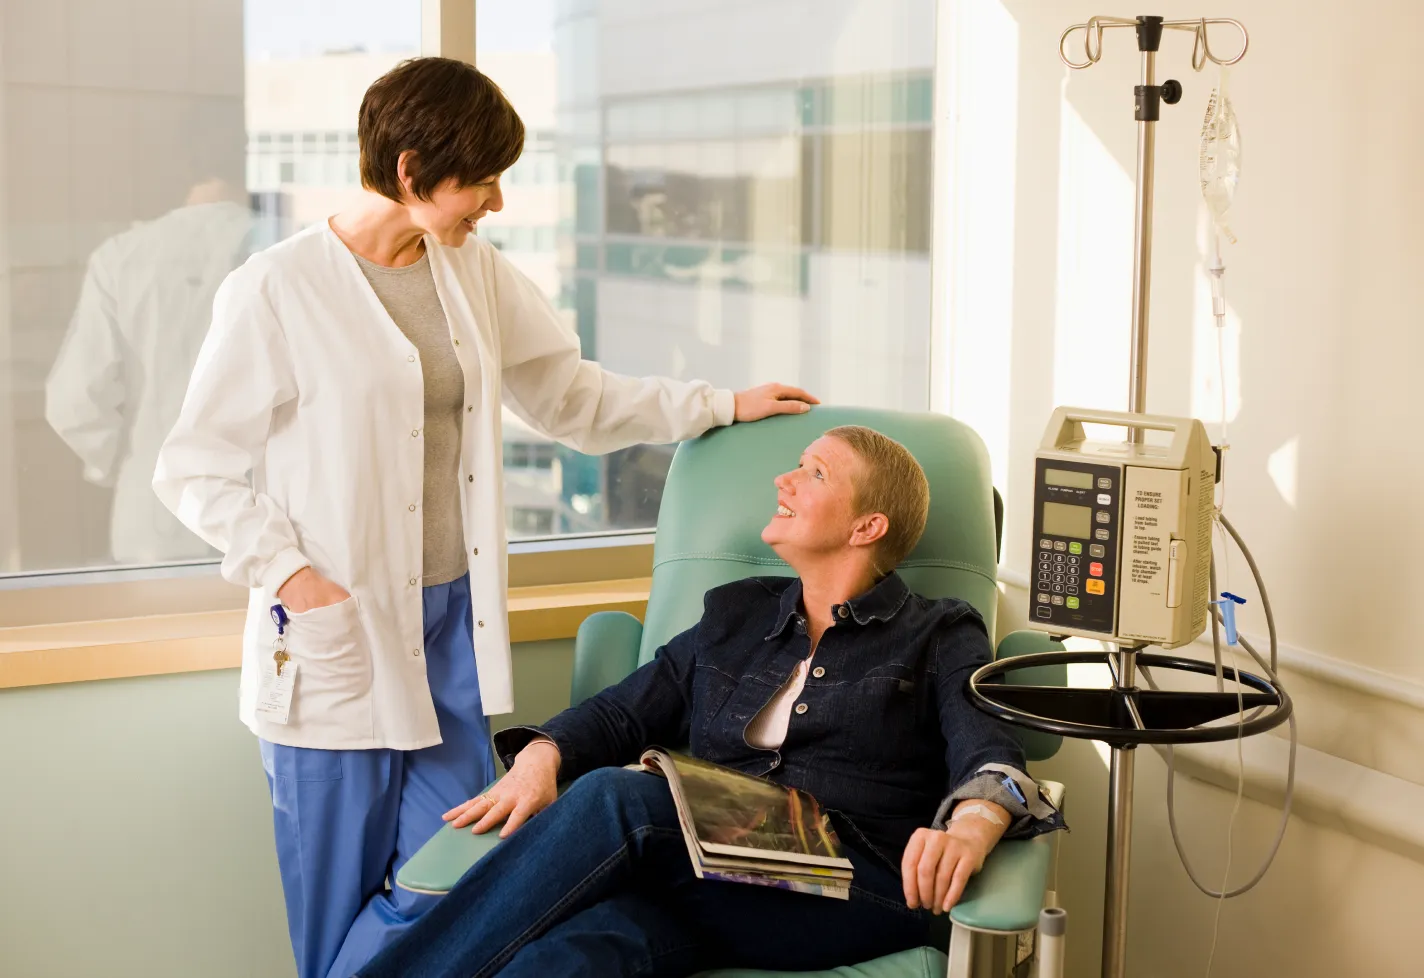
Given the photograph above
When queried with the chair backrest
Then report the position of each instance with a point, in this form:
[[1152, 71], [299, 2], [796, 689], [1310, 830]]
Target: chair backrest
[[719, 495]]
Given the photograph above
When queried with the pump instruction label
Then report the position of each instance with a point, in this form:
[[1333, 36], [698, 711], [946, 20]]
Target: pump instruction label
[[1151, 503]]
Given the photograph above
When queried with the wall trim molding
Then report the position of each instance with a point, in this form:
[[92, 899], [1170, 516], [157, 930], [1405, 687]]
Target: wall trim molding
[[1365, 804], [1316, 665]]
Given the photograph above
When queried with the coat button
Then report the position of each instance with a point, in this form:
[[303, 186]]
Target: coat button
[[469, 407], [801, 707], [411, 359], [415, 433], [842, 612], [472, 478], [818, 672], [415, 652], [481, 624], [411, 507], [412, 582], [477, 551], [457, 342]]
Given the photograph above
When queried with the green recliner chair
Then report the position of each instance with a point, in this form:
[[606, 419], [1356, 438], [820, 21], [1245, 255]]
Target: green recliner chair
[[717, 499]]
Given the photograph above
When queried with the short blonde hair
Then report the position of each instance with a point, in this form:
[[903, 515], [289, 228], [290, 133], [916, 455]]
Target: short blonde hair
[[893, 484]]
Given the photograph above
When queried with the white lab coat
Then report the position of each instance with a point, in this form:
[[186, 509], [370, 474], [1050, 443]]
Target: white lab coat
[[300, 443], [118, 382]]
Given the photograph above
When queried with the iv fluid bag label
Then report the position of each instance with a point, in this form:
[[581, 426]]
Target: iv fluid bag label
[[1151, 515]]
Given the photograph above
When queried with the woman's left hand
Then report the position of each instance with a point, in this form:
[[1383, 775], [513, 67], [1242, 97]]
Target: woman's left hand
[[768, 399], [938, 863]]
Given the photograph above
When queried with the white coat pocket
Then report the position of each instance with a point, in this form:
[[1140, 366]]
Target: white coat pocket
[[334, 683]]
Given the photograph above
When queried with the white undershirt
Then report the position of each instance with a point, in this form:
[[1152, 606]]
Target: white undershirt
[[768, 728]]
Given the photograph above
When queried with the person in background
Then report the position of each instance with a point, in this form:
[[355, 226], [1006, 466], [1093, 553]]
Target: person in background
[[114, 391], [838, 681], [340, 443]]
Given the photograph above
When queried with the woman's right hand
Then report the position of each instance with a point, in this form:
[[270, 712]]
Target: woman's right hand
[[530, 787], [306, 590]]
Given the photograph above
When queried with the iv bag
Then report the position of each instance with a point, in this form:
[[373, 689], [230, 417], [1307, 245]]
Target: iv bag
[[1220, 157]]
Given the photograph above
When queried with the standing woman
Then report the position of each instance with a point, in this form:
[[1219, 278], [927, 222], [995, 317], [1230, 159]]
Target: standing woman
[[340, 444]]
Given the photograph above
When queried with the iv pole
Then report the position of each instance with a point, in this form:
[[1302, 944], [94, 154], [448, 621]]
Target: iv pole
[[1148, 99]]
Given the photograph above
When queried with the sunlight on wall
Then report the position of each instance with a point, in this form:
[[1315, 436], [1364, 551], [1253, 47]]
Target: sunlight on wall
[[1092, 341], [984, 154], [1283, 466]]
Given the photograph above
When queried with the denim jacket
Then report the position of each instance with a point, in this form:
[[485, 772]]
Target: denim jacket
[[882, 735]]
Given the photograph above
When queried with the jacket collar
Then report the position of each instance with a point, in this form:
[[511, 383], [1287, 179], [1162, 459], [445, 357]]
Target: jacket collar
[[881, 603]]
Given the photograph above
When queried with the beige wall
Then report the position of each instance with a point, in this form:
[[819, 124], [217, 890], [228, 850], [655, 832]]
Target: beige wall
[[1322, 349]]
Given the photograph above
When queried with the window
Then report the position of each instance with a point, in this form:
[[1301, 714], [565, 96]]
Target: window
[[734, 219], [211, 144]]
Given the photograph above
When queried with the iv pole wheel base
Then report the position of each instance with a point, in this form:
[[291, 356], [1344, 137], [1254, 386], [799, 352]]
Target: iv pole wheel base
[[1111, 715]]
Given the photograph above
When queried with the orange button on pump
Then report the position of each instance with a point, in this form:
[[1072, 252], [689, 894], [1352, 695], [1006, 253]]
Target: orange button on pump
[[1095, 587]]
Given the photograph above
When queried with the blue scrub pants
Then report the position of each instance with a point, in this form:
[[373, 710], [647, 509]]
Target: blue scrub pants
[[347, 820]]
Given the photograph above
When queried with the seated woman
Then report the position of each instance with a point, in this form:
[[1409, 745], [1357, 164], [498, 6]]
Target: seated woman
[[839, 682]]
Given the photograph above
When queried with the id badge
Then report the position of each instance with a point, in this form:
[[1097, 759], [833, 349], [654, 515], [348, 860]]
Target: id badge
[[279, 675], [274, 693]]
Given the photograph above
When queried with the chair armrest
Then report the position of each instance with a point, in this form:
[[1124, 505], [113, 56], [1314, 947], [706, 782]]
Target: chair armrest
[[1037, 745], [1007, 893], [438, 865], [605, 651]]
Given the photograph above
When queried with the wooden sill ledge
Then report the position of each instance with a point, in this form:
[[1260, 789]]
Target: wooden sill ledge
[[41, 655]]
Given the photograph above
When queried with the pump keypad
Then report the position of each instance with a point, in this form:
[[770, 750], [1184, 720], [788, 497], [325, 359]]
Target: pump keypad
[[1074, 575]]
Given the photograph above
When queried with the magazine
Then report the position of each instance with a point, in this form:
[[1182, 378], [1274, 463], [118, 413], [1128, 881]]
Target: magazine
[[743, 829]]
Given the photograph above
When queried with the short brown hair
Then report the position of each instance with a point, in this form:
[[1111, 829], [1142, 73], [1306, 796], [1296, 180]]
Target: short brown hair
[[455, 120], [893, 484]]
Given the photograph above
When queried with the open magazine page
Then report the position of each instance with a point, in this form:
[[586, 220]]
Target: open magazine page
[[744, 829]]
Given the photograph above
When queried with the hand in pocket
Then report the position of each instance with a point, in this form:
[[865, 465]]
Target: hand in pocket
[[306, 590]]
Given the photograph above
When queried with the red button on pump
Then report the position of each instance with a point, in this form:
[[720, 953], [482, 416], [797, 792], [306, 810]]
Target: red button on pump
[[1095, 569]]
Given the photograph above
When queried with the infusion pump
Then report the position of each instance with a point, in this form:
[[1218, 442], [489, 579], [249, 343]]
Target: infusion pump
[[1122, 530]]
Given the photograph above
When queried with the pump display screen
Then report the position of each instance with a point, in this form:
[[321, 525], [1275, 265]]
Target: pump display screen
[[1066, 477], [1062, 520]]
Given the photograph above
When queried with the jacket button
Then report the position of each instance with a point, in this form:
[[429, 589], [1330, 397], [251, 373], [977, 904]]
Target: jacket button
[[472, 478], [457, 342], [411, 507], [481, 624], [415, 433], [411, 359], [415, 652], [469, 407], [412, 582], [818, 672], [801, 707], [477, 551], [842, 612]]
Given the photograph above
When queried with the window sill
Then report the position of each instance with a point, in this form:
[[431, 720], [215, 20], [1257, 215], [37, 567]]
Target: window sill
[[82, 651]]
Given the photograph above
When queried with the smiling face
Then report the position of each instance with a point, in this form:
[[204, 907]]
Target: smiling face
[[452, 211], [816, 513]]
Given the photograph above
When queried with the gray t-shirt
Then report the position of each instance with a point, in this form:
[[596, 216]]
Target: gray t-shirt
[[409, 296]]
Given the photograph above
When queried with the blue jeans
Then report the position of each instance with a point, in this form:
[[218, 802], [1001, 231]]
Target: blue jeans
[[600, 884], [347, 820]]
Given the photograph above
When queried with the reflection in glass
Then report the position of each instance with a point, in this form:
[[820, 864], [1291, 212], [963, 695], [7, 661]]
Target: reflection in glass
[[132, 179], [118, 382]]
